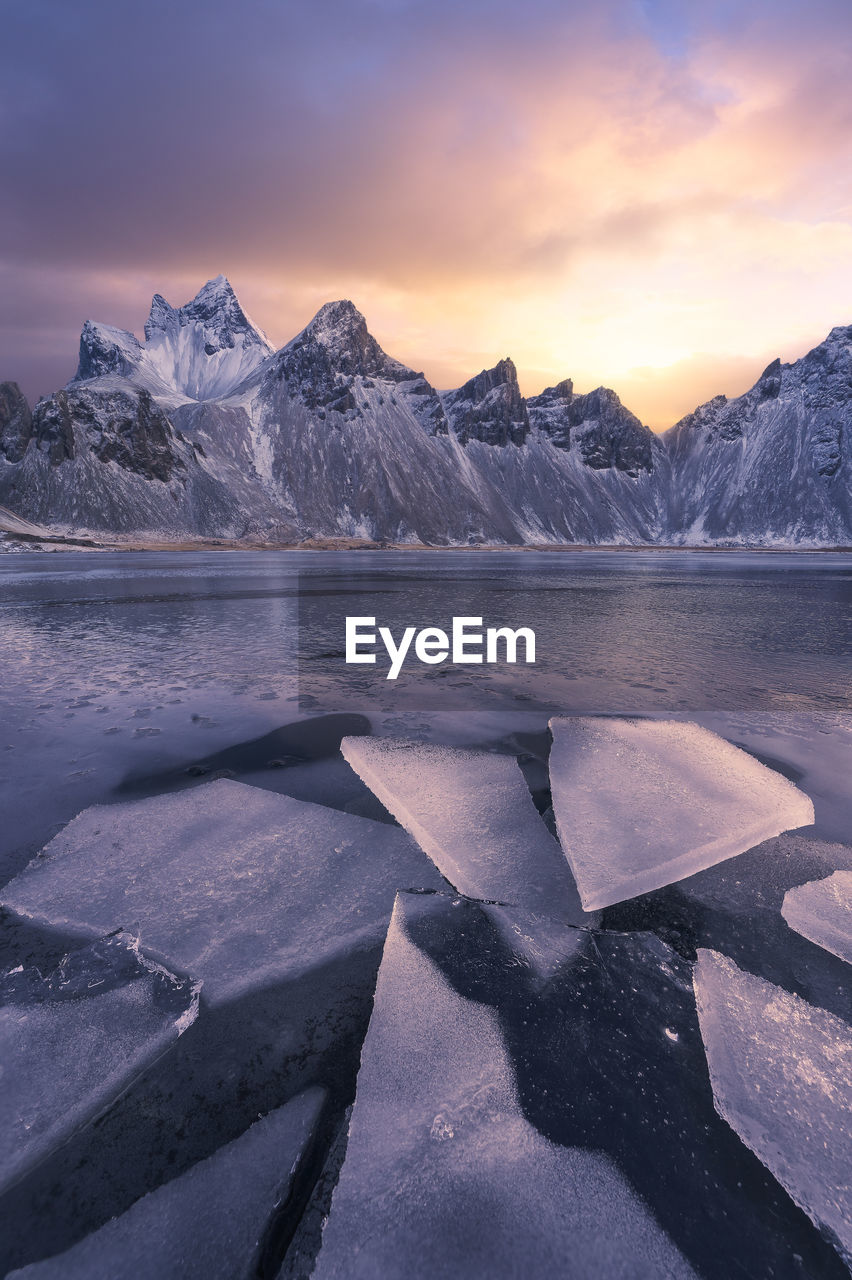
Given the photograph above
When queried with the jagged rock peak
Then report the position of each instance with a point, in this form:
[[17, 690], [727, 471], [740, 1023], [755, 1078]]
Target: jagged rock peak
[[105, 350], [490, 407], [201, 350], [597, 425], [216, 308], [841, 334], [339, 340], [336, 324], [504, 374]]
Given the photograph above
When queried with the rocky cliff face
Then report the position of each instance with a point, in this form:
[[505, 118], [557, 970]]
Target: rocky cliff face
[[773, 466], [598, 426], [108, 460], [203, 430], [334, 357], [16, 422], [490, 408]]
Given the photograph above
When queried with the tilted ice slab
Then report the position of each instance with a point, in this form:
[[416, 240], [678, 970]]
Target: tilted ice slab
[[781, 1072], [822, 912], [642, 803], [72, 1042], [235, 885], [473, 814], [208, 1223], [443, 1174]]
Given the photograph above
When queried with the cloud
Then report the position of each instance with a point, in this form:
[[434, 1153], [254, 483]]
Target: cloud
[[590, 188]]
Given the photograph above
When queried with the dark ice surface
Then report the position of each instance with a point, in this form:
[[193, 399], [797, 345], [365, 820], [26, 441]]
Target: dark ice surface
[[124, 675], [117, 667], [607, 1056]]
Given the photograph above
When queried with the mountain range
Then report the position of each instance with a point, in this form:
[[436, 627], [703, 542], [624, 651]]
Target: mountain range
[[203, 430]]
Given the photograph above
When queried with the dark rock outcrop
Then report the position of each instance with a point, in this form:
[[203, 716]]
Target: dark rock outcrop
[[597, 424], [489, 408], [16, 422]]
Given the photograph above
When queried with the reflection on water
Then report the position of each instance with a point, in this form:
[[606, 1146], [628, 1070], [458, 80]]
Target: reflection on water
[[126, 664]]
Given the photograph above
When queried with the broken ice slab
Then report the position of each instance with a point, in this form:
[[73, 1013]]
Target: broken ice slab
[[445, 1175], [70, 1043], [505, 1127], [822, 912], [235, 885], [207, 1224], [781, 1072], [472, 812], [642, 803], [735, 908]]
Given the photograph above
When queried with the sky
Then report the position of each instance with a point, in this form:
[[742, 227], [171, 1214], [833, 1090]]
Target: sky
[[653, 195]]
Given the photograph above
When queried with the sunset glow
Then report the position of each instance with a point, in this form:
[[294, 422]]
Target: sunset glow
[[658, 202]]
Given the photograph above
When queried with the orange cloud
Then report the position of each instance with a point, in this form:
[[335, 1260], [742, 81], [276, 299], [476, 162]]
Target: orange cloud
[[656, 203]]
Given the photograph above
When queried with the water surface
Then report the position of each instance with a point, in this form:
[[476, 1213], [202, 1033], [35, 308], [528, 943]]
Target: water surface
[[122, 665]]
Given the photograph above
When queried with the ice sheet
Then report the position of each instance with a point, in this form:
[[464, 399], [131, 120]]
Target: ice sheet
[[822, 912], [445, 1176], [70, 1043], [782, 1078], [208, 1223], [235, 885], [642, 803], [472, 812]]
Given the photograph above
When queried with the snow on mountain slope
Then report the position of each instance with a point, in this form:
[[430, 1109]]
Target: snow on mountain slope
[[772, 467], [203, 429], [359, 444], [199, 351], [110, 461]]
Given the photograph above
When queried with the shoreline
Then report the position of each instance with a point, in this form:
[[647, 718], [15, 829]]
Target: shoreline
[[23, 542]]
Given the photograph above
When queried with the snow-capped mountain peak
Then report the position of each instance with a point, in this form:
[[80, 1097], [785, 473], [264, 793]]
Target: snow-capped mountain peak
[[489, 407], [201, 428], [215, 308], [205, 348], [200, 351], [105, 350], [338, 333], [336, 323], [772, 466]]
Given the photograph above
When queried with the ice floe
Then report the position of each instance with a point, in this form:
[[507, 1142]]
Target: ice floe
[[71, 1042], [206, 1224], [822, 912], [642, 803], [234, 885], [781, 1072], [472, 813], [445, 1175]]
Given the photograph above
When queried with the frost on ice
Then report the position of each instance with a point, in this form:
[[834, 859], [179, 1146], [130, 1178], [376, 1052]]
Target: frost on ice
[[473, 814], [642, 803], [782, 1078], [444, 1175], [70, 1043], [235, 885], [206, 1224], [822, 912], [509, 1126]]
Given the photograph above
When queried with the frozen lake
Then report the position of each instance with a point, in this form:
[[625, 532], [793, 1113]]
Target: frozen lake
[[120, 666], [567, 1065]]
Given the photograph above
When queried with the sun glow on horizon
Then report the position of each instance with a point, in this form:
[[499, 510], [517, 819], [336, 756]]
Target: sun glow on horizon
[[655, 198]]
